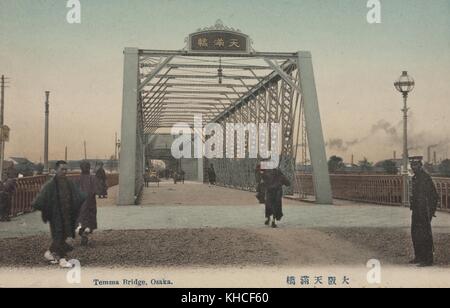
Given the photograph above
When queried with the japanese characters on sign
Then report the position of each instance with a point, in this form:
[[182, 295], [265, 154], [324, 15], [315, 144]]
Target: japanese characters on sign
[[211, 41]]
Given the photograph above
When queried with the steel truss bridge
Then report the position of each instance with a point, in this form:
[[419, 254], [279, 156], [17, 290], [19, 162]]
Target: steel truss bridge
[[164, 87]]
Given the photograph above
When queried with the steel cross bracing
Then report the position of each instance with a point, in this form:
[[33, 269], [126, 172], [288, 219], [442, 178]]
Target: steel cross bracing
[[176, 78], [247, 97], [258, 88], [163, 88]]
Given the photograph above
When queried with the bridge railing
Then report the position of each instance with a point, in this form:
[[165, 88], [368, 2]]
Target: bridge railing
[[28, 188], [443, 188], [376, 189]]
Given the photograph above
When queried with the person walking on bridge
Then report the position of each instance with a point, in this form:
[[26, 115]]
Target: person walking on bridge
[[212, 176], [424, 204], [102, 186], [7, 190], [274, 180], [87, 220], [59, 201]]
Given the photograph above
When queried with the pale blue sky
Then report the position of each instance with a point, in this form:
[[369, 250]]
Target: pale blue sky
[[355, 62]]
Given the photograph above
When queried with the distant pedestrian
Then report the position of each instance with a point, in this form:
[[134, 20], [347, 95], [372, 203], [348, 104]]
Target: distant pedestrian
[[102, 186], [182, 176], [87, 220], [7, 190], [147, 178], [60, 201], [175, 177], [212, 175], [424, 204], [274, 180]]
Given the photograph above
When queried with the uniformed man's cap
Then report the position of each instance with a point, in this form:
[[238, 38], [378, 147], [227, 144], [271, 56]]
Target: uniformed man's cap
[[416, 159]]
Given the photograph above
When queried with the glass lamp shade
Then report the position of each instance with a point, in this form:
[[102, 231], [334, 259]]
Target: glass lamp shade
[[405, 83]]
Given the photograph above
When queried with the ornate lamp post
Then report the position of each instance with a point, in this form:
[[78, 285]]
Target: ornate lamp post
[[405, 84]]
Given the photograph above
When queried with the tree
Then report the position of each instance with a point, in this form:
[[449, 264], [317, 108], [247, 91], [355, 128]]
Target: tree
[[444, 168], [335, 164], [390, 167], [365, 165]]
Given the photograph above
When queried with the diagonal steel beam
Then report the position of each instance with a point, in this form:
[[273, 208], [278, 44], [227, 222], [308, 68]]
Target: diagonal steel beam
[[155, 72], [282, 74]]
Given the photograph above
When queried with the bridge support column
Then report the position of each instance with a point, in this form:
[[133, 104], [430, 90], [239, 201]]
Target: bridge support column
[[127, 169], [313, 122]]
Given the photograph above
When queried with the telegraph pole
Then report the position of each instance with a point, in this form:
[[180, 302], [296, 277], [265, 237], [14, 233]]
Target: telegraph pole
[[47, 114], [2, 117], [2, 143], [85, 152]]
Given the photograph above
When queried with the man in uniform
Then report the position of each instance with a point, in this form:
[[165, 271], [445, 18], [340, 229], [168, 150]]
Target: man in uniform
[[424, 202]]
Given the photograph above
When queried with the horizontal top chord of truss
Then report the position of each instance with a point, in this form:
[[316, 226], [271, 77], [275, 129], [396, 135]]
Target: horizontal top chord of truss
[[200, 85], [165, 53]]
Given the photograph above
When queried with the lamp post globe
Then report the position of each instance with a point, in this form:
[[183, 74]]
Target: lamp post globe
[[405, 84]]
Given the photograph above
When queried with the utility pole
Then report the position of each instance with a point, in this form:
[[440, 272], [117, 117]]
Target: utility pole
[[2, 117], [47, 115], [85, 152], [65, 154], [2, 143]]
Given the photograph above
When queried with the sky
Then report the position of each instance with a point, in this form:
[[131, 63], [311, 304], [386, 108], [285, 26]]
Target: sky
[[355, 66]]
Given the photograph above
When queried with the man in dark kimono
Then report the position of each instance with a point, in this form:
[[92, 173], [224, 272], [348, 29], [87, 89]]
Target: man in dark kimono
[[182, 175], [87, 221], [424, 203], [102, 187], [175, 177], [60, 202], [274, 180], [7, 191], [212, 175]]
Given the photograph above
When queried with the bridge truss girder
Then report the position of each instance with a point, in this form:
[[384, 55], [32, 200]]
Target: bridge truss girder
[[162, 88]]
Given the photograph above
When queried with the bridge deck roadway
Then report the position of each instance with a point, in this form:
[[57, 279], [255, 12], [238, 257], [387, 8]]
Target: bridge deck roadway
[[192, 225], [195, 205]]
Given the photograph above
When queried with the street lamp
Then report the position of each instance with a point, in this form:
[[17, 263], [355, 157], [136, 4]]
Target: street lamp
[[405, 84]]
